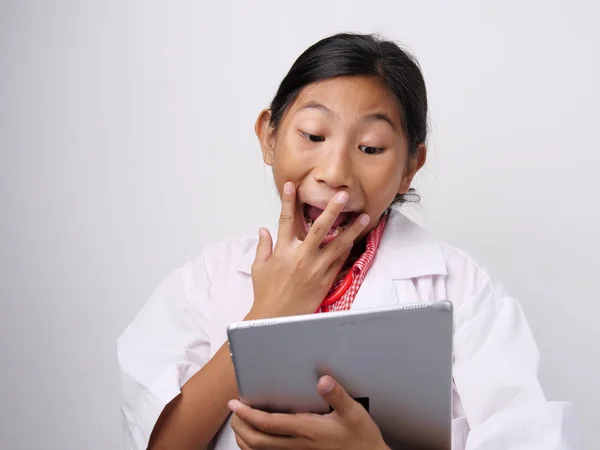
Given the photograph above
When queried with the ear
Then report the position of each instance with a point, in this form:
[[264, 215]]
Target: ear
[[266, 135], [414, 164]]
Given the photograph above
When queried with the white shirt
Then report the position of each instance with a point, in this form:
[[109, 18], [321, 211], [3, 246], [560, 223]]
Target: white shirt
[[498, 403]]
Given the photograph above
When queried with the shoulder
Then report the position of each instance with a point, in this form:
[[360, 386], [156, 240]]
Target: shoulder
[[472, 288], [193, 283], [471, 273], [417, 253], [228, 253], [219, 258]]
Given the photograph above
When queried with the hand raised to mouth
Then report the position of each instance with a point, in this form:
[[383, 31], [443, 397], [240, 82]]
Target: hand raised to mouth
[[295, 276]]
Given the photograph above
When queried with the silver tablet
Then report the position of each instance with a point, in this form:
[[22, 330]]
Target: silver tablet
[[397, 362]]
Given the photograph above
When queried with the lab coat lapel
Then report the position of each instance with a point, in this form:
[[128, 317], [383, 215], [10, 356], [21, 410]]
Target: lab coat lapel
[[377, 288]]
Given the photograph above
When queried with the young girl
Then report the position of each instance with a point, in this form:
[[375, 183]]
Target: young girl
[[344, 136]]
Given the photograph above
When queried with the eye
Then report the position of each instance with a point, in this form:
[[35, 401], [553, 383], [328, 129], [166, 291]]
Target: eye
[[370, 150], [312, 137]]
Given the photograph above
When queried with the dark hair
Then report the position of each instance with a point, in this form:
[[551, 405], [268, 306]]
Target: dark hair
[[348, 54]]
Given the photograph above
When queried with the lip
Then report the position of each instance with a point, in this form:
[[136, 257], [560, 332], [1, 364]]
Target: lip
[[323, 205]]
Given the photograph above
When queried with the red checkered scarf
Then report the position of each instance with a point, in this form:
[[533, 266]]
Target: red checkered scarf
[[360, 269]]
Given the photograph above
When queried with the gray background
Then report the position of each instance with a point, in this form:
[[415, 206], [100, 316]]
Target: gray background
[[127, 145]]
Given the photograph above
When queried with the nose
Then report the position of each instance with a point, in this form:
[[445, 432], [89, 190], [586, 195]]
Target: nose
[[334, 167]]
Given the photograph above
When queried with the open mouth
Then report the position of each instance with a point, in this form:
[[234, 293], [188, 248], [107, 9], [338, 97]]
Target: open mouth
[[311, 214]]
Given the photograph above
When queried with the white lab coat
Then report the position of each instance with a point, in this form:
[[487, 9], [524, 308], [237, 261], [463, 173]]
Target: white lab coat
[[498, 403]]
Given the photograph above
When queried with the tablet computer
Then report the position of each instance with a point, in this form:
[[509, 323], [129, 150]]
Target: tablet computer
[[395, 361]]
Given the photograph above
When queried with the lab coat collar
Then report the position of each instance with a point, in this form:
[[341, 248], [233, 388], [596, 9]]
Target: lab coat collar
[[406, 251]]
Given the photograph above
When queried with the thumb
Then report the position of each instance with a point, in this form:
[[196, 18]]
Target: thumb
[[335, 395], [264, 247]]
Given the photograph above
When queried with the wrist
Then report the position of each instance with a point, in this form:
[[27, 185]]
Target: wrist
[[256, 314], [253, 315]]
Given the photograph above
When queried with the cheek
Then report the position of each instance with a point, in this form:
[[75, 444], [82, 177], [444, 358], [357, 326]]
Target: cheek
[[284, 172], [289, 165], [381, 183]]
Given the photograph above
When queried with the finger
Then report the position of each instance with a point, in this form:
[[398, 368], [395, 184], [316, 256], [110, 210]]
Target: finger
[[341, 243], [264, 247], [287, 218], [270, 423], [251, 437], [336, 396], [258, 439], [241, 444], [322, 225]]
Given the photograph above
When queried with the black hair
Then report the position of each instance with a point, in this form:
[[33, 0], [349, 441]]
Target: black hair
[[349, 54]]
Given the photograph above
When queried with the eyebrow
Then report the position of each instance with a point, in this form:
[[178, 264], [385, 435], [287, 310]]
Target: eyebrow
[[319, 107], [378, 116], [368, 118]]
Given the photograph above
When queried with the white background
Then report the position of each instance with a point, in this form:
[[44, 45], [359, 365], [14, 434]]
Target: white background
[[127, 145]]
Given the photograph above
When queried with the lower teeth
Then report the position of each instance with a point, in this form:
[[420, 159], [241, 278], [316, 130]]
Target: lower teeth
[[333, 233]]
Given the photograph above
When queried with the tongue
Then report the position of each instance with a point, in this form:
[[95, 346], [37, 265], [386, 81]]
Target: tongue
[[313, 213]]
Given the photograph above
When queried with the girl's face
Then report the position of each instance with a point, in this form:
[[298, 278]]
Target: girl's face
[[341, 134]]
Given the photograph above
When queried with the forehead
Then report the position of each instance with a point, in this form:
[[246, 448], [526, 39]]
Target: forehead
[[351, 97]]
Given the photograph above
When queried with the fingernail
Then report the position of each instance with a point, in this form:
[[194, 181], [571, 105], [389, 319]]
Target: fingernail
[[288, 187], [233, 405], [326, 384], [341, 197], [364, 220], [261, 232]]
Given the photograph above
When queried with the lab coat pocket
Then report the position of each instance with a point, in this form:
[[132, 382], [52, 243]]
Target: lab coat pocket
[[460, 432]]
